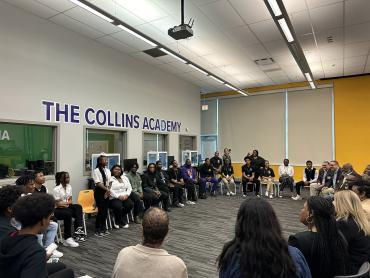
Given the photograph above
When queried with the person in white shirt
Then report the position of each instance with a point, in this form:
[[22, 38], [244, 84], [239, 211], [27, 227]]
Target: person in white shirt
[[119, 200], [286, 173], [66, 210], [101, 177]]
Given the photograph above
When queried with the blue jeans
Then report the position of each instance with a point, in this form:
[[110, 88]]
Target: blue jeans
[[49, 235]]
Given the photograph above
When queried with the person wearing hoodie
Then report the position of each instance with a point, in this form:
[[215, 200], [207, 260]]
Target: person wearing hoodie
[[8, 195], [21, 255], [150, 188], [189, 175]]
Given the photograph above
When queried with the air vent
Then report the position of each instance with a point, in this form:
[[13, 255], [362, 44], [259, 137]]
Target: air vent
[[154, 52], [330, 39], [264, 61]]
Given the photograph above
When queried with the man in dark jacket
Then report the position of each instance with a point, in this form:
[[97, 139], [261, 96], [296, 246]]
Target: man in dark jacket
[[8, 195], [207, 177], [337, 174], [20, 253], [325, 180]]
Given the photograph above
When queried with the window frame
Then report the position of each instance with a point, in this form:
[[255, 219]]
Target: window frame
[[167, 144]]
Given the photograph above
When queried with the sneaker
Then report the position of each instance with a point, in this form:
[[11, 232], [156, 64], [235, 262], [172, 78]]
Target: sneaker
[[188, 202], [293, 197], [79, 231], [56, 254], [266, 193], [69, 242], [105, 233], [271, 196], [258, 195], [227, 194], [80, 238], [232, 193], [115, 226], [125, 226], [296, 198], [192, 203], [99, 234], [181, 205], [280, 196], [244, 195]]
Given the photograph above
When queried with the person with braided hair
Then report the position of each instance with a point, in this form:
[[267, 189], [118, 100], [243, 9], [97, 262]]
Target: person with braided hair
[[258, 248], [323, 245]]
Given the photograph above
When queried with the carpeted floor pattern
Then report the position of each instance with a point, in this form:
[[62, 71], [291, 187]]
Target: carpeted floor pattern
[[197, 234]]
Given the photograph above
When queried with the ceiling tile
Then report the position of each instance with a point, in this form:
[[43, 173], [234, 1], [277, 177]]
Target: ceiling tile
[[333, 65], [307, 42], [222, 14], [353, 70], [357, 33], [331, 53], [357, 11], [357, 49], [145, 58], [285, 60], [266, 31], [256, 51], [318, 3], [181, 50], [199, 46], [60, 5], [327, 17], [251, 11], [92, 20], [293, 6], [242, 35], [336, 34], [149, 30], [312, 56], [301, 22], [277, 48], [358, 61], [131, 41], [146, 10], [34, 7], [116, 44], [76, 26]]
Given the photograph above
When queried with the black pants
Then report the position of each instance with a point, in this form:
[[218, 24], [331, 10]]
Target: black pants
[[177, 192], [102, 205], [59, 270], [121, 208], [190, 187], [164, 198], [298, 187], [138, 208], [66, 214], [286, 181], [256, 183], [150, 199]]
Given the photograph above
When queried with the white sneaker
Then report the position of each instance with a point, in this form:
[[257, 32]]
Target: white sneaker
[[188, 202], [232, 193], [126, 226], [271, 196], [244, 195], [70, 242], [181, 205], [192, 203], [115, 226], [227, 194], [266, 193], [297, 198], [293, 197], [56, 254]]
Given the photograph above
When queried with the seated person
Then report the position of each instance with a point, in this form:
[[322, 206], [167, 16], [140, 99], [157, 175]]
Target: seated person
[[189, 174], [367, 171], [257, 161], [324, 180], [176, 184], [152, 259], [137, 194], [119, 199], [216, 163], [267, 177], [286, 173], [362, 189], [322, 245], [150, 188], [207, 178], [8, 195], [66, 210], [227, 176], [336, 173], [350, 176], [163, 181], [27, 186], [250, 178], [310, 175], [39, 182], [353, 223], [20, 253]]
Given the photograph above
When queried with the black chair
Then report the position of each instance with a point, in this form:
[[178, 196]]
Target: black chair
[[363, 272]]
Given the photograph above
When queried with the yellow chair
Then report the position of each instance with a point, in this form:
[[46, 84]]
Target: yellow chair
[[87, 201]]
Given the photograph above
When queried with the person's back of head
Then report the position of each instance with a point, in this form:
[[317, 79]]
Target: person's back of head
[[329, 247], [155, 227], [8, 195], [259, 243], [348, 204]]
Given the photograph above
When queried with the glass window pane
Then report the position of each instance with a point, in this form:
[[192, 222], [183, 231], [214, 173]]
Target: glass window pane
[[209, 146], [26, 147], [162, 142], [187, 143]]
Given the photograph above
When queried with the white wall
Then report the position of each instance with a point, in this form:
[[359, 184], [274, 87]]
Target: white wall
[[43, 61]]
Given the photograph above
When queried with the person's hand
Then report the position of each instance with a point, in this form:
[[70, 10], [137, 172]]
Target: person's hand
[[141, 195], [306, 183]]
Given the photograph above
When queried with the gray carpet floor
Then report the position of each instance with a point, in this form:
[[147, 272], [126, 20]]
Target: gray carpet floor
[[197, 234]]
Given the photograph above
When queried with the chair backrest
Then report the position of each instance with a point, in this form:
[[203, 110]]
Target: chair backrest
[[363, 272], [86, 198]]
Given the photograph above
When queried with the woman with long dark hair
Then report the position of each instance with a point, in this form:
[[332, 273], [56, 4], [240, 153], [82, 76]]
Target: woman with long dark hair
[[323, 246], [152, 195], [101, 176], [258, 248]]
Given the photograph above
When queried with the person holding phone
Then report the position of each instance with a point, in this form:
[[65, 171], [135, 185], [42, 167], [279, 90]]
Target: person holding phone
[[66, 210]]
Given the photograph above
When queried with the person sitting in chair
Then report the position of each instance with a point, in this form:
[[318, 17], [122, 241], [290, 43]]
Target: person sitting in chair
[[250, 178], [227, 176], [207, 178], [310, 175], [189, 174], [267, 177], [176, 184], [286, 173], [324, 180]]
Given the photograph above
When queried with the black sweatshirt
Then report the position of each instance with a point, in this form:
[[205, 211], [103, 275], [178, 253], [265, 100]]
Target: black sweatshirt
[[22, 256]]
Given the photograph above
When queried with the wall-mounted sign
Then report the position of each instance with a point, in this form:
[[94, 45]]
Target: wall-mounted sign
[[71, 113]]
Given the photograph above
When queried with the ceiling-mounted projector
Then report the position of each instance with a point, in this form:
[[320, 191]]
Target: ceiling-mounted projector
[[182, 31]]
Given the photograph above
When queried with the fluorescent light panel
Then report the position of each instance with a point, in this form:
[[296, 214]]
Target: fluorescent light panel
[[241, 92], [91, 10], [218, 80], [136, 35], [313, 86], [198, 69], [308, 77], [275, 7], [173, 55], [286, 30], [231, 87]]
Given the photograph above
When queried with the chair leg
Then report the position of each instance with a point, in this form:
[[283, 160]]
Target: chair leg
[[60, 232], [84, 222]]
